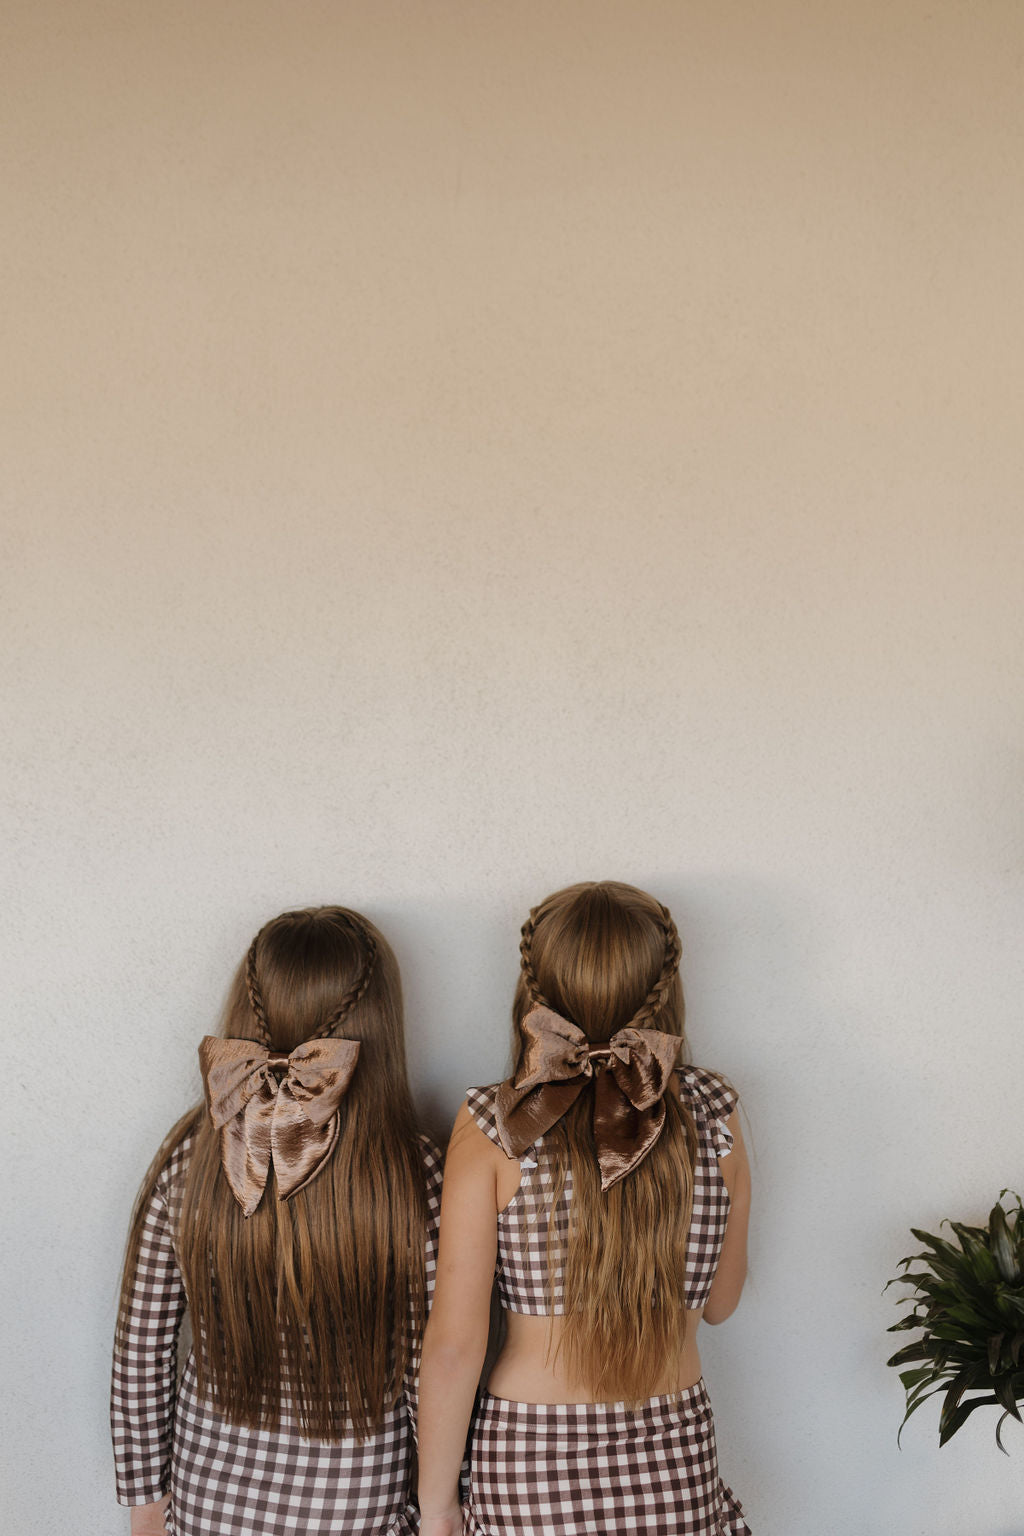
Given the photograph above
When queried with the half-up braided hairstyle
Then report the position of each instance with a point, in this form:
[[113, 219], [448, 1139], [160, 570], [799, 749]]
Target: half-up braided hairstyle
[[606, 956], [313, 1303], [341, 919], [657, 998]]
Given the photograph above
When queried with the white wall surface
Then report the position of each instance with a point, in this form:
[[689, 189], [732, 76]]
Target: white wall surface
[[452, 449]]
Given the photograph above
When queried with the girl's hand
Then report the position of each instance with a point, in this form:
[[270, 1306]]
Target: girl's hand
[[447, 1524], [148, 1519]]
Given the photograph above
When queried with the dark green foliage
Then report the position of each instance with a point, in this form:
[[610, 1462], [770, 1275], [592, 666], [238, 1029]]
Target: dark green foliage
[[969, 1304]]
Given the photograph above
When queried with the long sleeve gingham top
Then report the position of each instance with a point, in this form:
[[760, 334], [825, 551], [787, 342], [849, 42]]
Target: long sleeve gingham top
[[223, 1477]]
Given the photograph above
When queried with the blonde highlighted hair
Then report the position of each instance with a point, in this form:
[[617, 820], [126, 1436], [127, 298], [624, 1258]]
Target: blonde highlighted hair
[[606, 955], [317, 1300]]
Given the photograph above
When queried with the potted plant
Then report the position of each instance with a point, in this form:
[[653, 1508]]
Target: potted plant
[[968, 1302]]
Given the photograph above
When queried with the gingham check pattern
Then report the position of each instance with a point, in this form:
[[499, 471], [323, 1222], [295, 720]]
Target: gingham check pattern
[[226, 1480], [565, 1469], [523, 1230]]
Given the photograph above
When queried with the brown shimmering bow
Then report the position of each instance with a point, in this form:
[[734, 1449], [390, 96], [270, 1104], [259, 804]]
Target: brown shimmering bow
[[294, 1118], [557, 1063]]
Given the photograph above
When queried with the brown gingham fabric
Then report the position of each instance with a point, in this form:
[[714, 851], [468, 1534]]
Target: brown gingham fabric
[[523, 1232], [598, 1469], [226, 1480]]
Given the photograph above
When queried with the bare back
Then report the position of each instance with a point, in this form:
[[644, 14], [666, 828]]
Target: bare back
[[529, 1366]]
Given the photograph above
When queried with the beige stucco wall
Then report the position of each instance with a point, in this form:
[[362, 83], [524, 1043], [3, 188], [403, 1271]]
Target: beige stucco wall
[[453, 449]]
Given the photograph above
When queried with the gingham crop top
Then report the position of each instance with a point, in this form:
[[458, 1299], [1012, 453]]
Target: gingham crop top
[[522, 1270]]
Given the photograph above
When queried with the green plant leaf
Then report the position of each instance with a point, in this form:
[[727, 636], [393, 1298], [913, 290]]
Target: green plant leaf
[[921, 1394], [948, 1271], [944, 1258], [974, 1242], [1004, 1390], [1011, 1302], [922, 1350], [928, 1281], [911, 1279], [960, 1415], [962, 1312], [999, 1433], [904, 1324], [969, 1234], [939, 1244], [914, 1378], [995, 1351], [962, 1382], [1003, 1246], [913, 1406], [965, 1303]]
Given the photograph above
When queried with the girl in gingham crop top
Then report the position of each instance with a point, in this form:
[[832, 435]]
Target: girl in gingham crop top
[[523, 1225]]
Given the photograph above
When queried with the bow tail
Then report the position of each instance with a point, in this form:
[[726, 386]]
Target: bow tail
[[245, 1150], [299, 1146], [624, 1134], [523, 1116]]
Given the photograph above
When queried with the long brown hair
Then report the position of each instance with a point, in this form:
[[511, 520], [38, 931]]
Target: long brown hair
[[606, 955], [318, 1299]]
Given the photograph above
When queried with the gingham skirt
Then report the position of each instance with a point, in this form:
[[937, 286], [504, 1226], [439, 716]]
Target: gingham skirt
[[230, 1481], [558, 1469]]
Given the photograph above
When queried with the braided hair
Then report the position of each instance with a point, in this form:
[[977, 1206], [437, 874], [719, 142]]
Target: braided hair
[[317, 1293], [252, 986], [349, 999], [657, 997], [606, 957]]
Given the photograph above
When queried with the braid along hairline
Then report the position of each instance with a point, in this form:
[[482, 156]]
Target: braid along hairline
[[252, 986], [358, 988], [655, 1000], [652, 1004], [341, 1009], [533, 990]]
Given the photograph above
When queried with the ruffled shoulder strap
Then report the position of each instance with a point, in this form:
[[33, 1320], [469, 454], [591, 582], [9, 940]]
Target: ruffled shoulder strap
[[433, 1168], [480, 1103], [712, 1100]]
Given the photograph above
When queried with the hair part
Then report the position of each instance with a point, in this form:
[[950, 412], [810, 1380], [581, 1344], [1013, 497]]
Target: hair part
[[316, 1300], [606, 955]]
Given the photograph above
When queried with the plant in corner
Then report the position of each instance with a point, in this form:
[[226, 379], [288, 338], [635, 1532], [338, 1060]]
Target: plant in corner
[[968, 1302]]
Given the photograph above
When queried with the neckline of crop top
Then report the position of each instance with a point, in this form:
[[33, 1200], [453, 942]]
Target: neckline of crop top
[[523, 1225]]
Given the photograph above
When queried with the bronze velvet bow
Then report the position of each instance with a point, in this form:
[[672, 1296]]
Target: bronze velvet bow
[[558, 1062], [294, 1119]]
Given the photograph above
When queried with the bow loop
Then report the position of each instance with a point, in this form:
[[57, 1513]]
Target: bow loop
[[233, 1071], [319, 1072], [552, 1071], [629, 1094], [293, 1120], [642, 1061]]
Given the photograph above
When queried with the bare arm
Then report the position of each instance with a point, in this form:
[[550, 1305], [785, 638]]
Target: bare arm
[[455, 1341], [148, 1519], [732, 1266]]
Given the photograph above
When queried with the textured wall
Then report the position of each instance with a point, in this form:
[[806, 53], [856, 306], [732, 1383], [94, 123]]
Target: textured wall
[[452, 449]]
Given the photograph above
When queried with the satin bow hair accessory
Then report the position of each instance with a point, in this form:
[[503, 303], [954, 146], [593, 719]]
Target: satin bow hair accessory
[[293, 1119], [557, 1063]]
